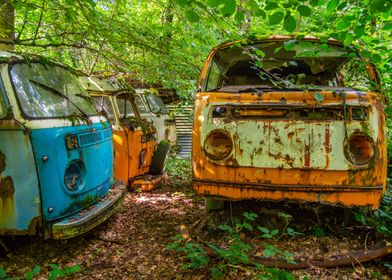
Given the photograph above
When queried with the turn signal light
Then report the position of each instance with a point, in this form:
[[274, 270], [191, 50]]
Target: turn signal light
[[218, 145], [359, 149]]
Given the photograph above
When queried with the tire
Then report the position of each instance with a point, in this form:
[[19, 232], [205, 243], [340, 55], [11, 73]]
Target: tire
[[160, 158]]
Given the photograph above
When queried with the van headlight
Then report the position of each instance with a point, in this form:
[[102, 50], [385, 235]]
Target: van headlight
[[73, 176], [218, 145], [359, 149]]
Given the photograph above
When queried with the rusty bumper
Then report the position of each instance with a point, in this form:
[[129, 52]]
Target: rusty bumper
[[91, 217], [334, 195]]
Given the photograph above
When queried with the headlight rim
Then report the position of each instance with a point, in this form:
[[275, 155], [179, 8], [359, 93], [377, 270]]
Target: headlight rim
[[226, 155], [347, 145]]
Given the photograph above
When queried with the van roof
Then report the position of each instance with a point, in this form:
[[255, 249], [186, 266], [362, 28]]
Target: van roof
[[14, 57]]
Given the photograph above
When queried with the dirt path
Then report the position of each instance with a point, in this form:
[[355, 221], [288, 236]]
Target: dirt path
[[131, 245]]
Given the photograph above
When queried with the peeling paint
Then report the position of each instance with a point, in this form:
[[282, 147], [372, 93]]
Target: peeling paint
[[7, 190]]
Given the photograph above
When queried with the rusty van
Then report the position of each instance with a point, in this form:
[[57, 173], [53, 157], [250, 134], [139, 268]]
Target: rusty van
[[135, 146], [56, 152], [292, 119]]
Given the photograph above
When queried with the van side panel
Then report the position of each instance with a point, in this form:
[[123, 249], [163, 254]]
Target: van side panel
[[20, 204]]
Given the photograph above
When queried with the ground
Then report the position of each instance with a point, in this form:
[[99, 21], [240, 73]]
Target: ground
[[131, 245]]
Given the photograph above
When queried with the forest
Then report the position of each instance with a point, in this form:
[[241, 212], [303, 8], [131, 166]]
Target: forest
[[166, 232]]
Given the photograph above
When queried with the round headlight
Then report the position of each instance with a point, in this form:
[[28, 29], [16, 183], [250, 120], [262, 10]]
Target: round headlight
[[218, 145], [359, 149], [73, 176]]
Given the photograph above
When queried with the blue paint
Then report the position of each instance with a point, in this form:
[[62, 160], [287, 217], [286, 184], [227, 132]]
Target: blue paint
[[95, 152], [18, 211]]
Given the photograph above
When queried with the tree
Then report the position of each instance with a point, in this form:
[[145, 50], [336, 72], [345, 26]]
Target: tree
[[7, 25]]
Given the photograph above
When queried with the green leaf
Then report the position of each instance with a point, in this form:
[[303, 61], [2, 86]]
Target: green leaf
[[239, 17], [343, 23], [348, 40], [376, 58], [263, 229], [276, 18], [191, 15], [3, 273], [274, 232], [36, 269], [253, 7], [271, 6], [289, 45], [268, 252], [379, 6], [319, 97], [229, 8], [332, 4], [212, 3], [289, 23], [247, 226], [304, 11]]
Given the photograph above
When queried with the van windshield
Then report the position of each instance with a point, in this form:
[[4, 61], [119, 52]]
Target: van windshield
[[286, 64], [49, 91], [156, 104]]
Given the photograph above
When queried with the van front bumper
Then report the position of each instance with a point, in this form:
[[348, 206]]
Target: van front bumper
[[333, 195], [91, 217]]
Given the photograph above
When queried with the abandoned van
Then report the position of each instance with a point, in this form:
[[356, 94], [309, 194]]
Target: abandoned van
[[152, 108], [134, 138], [56, 153], [289, 119]]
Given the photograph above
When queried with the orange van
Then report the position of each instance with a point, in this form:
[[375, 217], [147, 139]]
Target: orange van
[[293, 119]]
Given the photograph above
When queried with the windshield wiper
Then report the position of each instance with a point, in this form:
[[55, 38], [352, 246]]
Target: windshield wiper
[[59, 93]]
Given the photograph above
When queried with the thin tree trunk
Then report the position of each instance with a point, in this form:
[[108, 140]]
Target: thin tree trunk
[[7, 25]]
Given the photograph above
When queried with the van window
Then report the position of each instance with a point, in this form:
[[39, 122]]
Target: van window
[[291, 64], [125, 107], [104, 106], [49, 91], [140, 105], [156, 104], [213, 76]]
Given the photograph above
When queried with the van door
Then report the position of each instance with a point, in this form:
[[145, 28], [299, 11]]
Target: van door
[[20, 201], [140, 141]]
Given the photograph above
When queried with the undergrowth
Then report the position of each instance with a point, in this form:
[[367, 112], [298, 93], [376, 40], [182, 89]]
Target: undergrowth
[[235, 254], [381, 219]]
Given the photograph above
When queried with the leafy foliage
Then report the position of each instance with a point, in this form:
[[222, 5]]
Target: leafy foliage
[[236, 252], [381, 219]]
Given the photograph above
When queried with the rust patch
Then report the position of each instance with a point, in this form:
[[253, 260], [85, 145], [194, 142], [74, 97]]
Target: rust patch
[[7, 190], [307, 154], [327, 145]]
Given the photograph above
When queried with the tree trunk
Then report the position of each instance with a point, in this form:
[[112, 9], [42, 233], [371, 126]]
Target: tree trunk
[[7, 25]]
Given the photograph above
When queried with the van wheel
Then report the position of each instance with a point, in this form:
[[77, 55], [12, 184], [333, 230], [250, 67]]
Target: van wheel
[[212, 204], [160, 158]]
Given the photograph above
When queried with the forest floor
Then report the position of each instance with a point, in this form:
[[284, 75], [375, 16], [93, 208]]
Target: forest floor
[[132, 244]]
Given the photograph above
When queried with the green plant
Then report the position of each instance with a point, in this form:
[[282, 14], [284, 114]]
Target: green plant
[[235, 254], [31, 274], [179, 168], [197, 257], [57, 272], [381, 219]]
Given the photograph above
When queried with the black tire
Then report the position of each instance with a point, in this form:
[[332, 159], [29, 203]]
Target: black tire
[[160, 157]]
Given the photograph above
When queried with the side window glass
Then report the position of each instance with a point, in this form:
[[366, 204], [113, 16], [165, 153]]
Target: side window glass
[[125, 107], [104, 107], [3, 107], [213, 76], [140, 105]]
